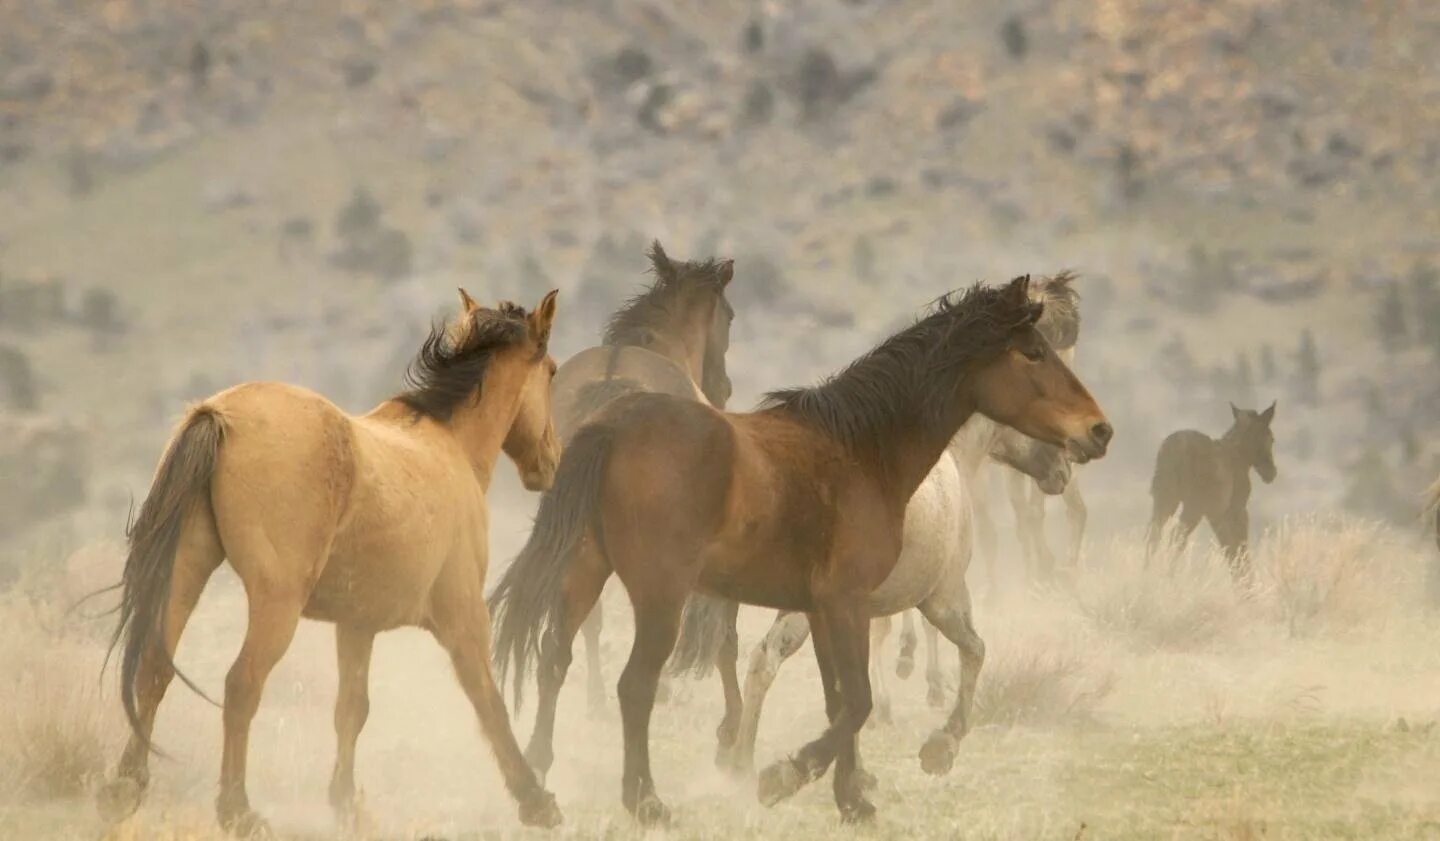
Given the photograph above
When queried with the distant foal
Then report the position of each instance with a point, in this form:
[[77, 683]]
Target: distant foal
[[372, 522], [1210, 479], [797, 506]]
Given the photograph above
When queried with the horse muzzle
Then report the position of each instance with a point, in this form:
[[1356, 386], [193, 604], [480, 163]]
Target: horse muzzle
[[1092, 444]]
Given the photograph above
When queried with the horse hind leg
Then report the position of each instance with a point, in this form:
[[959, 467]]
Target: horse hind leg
[[934, 672], [786, 635], [273, 616], [580, 594], [949, 610], [594, 676], [657, 627], [905, 664], [353, 647], [198, 555]]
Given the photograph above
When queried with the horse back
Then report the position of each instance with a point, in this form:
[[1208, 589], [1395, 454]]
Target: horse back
[[1189, 469]]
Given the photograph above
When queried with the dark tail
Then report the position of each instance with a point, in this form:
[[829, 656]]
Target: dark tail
[[702, 631], [184, 475], [528, 598]]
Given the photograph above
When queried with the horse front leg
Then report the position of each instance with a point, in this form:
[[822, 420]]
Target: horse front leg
[[949, 610], [786, 635], [846, 645]]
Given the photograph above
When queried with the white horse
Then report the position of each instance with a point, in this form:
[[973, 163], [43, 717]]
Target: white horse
[[930, 575]]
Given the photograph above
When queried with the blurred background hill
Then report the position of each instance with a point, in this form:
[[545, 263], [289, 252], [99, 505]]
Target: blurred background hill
[[195, 194]]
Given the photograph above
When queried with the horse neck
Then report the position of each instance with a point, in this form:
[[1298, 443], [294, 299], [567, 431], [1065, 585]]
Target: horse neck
[[972, 443], [683, 341], [1232, 449], [917, 450], [481, 426]]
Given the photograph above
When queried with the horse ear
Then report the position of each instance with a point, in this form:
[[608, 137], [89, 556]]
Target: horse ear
[[726, 272], [1269, 414], [661, 261], [467, 303], [543, 318]]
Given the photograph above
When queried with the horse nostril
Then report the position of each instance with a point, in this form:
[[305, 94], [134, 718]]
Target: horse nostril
[[1102, 432]]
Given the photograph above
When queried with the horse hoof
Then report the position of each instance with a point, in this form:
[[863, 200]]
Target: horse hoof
[[904, 666], [246, 824], [937, 756], [541, 810], [865, 781], [650, 811], [119, 799], [781, 780], [857, 810]]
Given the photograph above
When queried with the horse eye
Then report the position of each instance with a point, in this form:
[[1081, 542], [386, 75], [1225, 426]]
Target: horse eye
[[1034, 354]]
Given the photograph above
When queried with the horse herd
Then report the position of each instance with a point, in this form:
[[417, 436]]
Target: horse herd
[[837, 505]]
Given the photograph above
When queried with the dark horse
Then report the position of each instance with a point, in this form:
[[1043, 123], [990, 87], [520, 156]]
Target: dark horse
[[669, 339], [797, 506], [1211, 479]]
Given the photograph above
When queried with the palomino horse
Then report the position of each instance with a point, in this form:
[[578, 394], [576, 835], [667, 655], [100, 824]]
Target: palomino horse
[[797, 506], [669, 339], [930, 573], [371, 522], [1211, 479]]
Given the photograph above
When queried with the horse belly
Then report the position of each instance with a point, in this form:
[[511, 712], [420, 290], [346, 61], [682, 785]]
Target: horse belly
[[375, 586]]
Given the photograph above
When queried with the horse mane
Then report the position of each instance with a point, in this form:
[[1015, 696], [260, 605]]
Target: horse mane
[[904, 381], [1060, 324], [653, 307], [451, 364]]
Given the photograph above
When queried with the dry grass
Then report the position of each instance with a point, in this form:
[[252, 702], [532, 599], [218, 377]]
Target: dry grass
[[55, 736], [1041, 682], [1332, 573], [1178, 601]]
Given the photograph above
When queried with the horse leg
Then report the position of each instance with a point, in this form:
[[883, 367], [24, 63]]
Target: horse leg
[[1017, 484], [594, 679], [906, 662], [1163, 508], [1233, 533], [274, 613], [949, 610], [1077, 514], [846, 639], [197, 556], [985, 534], [1044, 557], [934, 672], [580, 593], [879, 630], [784, 638], [353, 646], [727, 663], [657, 627]]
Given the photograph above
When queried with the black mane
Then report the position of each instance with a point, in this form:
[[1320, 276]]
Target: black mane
[[906, 380], [447, 371], [653, 308]]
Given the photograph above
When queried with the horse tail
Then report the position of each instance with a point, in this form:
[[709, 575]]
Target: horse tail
[[529, 597], [184, 474], [703, 630], [1166, 481]]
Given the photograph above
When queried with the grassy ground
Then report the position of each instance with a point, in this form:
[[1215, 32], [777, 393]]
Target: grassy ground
[[1219, 717]]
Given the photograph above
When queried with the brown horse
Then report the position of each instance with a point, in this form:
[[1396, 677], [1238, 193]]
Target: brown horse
[[797, 506], [669, 339], [373, 523], [1211, 480]]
